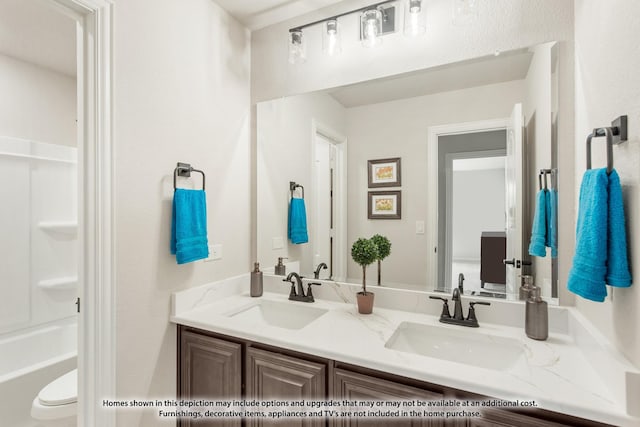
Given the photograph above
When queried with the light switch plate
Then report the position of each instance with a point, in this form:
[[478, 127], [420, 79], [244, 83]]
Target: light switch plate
[[419, 227], [215, 252], [277, 243]]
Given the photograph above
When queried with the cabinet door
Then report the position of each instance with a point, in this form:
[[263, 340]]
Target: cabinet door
[[509, 419], [273, 376], [211, 369], [353, 386]]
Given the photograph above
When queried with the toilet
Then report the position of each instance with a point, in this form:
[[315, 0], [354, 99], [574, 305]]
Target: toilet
[[56, 404]]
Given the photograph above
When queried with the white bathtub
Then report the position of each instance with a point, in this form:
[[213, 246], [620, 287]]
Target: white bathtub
[[29, 361]]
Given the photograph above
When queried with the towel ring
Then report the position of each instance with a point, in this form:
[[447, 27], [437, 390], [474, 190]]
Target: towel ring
[[185, 169], [615, 134], [293, 186]]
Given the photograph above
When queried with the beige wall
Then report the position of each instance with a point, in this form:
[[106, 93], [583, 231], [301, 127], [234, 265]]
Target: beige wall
[[607, 86], [181, 93], [502, 25]]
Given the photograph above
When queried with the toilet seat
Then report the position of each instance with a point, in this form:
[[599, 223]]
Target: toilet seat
[[58, 399], [61, 391]]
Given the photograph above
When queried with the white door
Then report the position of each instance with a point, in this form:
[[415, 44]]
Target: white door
[[323, 244], [514, 197]]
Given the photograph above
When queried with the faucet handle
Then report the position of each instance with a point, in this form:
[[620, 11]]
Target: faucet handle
[[445, 306], [472, 311], [292, 292], [309, 293]]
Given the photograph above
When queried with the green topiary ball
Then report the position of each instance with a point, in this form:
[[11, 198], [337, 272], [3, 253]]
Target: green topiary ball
[[383, 244], [364, 252]]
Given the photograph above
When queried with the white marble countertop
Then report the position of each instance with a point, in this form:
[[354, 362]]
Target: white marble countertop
[[554, 373]]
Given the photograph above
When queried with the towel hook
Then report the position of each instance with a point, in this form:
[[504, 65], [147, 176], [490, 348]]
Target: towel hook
[[615, 134], [185, 169]]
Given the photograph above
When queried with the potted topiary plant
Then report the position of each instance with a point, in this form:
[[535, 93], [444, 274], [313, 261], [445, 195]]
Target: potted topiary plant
[[384, 249], [364, 252]]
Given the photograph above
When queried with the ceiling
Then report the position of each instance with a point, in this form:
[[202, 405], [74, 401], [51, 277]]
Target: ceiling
[[256, 14], [32, 31], [477, 72]]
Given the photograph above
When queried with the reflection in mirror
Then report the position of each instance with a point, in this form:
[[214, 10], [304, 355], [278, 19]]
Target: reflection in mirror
[[468, 177]]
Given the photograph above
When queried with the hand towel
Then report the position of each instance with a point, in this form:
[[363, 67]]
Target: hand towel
[[552, 221], [539, 228], [601, 246], [617, 262], [189, 226], [297, 225]]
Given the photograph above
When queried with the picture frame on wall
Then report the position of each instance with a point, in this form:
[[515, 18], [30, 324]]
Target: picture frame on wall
[[384, 205], [384, 172]]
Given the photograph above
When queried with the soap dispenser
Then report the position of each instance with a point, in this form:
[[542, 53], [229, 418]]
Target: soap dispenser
[[256, 281], [525, 287], [536, 323], [280, 268]]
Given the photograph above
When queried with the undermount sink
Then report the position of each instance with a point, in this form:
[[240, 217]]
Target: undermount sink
[[288, 315], [469, 347]]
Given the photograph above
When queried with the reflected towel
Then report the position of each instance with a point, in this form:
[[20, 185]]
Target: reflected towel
[[601, 253], [189, 226], [539, 228], [297, 225], [552, 221]]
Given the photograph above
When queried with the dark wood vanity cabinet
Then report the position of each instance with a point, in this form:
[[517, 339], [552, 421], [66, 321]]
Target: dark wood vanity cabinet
[[209, 368], [217, 367], [272, 375]]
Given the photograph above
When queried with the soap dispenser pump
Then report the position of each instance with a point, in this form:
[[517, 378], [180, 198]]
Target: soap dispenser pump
[[256, 281], [536, 323], [280, 268]]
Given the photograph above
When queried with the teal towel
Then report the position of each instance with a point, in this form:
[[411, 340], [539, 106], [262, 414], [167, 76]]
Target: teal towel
[[189, 226], [539, 228], [552, 221], [617, 263], [601, 246], [297, 224]]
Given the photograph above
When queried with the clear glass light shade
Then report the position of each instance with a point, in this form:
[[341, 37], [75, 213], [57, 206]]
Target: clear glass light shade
[[371, 27], [465, 12], [415, 17], [297, 47], [331, 43]]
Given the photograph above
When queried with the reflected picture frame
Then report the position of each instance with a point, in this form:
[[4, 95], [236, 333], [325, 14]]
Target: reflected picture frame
[[384, 205], [384, 172]]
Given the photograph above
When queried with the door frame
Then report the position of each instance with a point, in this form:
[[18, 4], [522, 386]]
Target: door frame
[[340, 203], [434, 133], [96, 218]]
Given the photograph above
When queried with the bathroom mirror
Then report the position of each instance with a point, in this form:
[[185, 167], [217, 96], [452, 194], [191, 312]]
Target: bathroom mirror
[[443, 162]]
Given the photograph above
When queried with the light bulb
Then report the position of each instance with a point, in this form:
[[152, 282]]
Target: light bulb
[[371, 24], [415, 18], [331, 38], [297, 48]]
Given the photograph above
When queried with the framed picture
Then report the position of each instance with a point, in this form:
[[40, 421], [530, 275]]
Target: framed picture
[[384, 205], [384, 172]]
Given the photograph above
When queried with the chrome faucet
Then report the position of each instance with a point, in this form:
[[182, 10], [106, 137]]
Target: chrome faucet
[[458, 317], [321, 266], [299, 295]]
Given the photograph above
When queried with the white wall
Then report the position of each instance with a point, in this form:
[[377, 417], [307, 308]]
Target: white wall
[[284, 153], [478, 206], [37, 103], [400, 129], [607, 86], [502, 25], [181, 93]]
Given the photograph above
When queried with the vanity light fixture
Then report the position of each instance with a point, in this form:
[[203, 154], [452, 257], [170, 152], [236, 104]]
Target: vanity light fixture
[[371, 27], [331, 38], [415, 18], [297, 47]]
